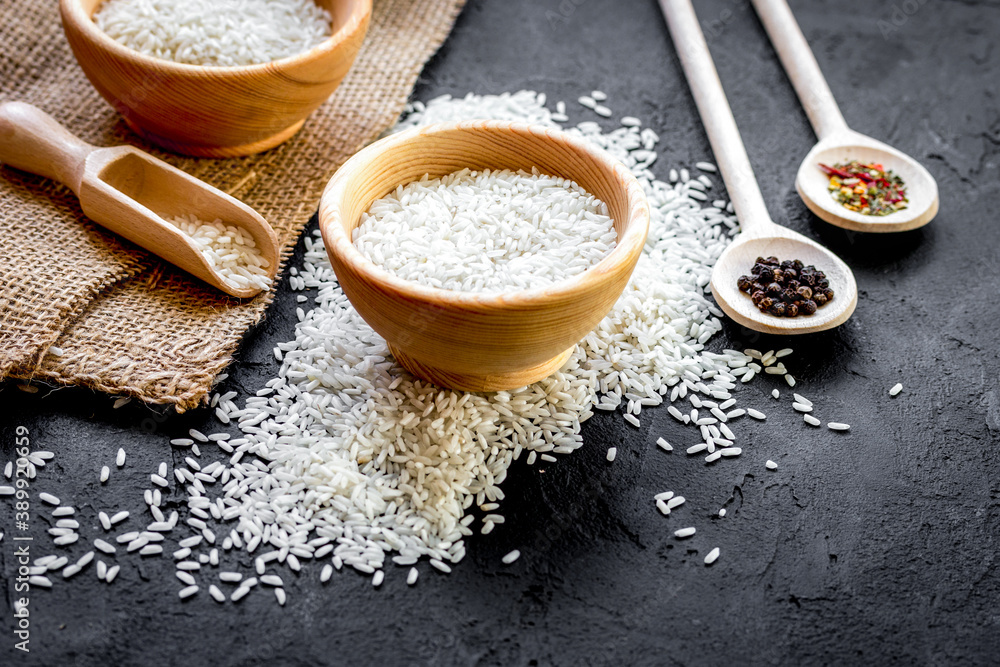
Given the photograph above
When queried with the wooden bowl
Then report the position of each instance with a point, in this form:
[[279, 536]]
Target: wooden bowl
[[215, 111], [481, 341]]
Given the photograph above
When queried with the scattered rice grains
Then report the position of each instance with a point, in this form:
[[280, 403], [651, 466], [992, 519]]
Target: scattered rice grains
[[402, 494]]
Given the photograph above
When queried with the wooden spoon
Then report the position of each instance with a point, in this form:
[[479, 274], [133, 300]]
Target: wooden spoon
[[130, 192], [760, 237], [837, 142]]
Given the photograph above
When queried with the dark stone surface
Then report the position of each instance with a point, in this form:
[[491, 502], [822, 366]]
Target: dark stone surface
[[878, 546]]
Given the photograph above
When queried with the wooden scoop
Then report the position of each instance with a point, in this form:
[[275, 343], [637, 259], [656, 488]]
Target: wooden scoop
[[839, 143], [130, 192], [759, 236]]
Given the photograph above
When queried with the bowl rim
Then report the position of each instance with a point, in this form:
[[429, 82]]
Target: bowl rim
[[72, 11], [626, 250]]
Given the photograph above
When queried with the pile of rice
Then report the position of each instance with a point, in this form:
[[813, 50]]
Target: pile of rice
[[229, 249], [345, 459], [355, 458], [488, 231], [215, 33]]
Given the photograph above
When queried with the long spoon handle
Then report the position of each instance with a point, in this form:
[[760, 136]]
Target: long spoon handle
[[31, 140], [800, 64], [716, 115]]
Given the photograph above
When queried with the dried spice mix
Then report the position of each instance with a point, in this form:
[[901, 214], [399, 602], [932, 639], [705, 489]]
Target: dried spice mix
[[866, 188], [786, 289]]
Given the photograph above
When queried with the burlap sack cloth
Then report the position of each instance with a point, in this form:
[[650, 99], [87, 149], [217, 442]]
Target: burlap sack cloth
[[126, 322]]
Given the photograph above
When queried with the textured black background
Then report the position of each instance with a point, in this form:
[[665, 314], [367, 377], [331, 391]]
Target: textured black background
[[878, 546]]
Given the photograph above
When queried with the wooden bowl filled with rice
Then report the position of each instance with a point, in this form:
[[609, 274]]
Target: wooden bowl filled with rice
[[215, 78], [483, 251]]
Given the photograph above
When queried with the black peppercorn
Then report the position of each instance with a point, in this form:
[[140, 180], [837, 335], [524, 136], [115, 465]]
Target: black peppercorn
[[786, 288]]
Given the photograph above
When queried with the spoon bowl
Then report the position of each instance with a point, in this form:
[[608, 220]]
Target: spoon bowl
[[738, 259], [131, 192], [811, 184]]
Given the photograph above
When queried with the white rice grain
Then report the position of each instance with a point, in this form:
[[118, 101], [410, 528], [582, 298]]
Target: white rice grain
[[48, 498], [104, 546], [216, 594]]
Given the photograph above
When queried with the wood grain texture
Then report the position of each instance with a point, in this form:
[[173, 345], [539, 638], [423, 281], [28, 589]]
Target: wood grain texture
[[759, 235], [130, 192], [215, 111], [837, 142], [471, 341]]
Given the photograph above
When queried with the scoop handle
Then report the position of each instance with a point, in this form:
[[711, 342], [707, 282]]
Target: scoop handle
[[32, 141], [717, 116], [801, 66]]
